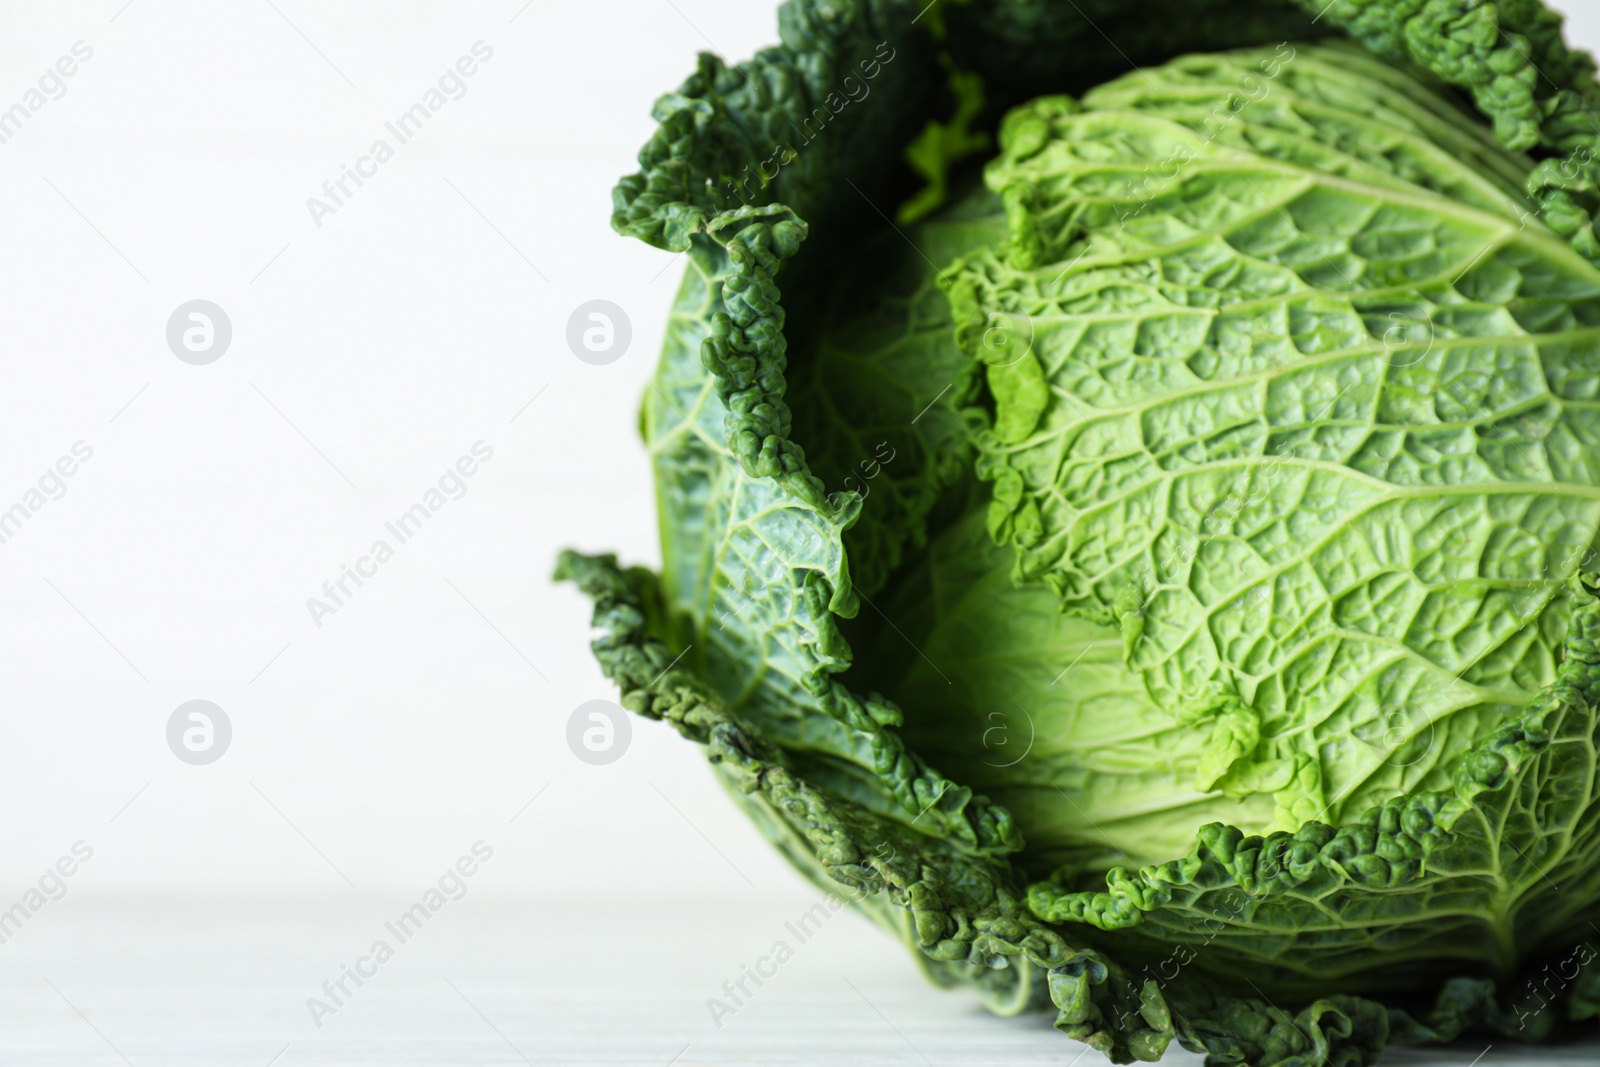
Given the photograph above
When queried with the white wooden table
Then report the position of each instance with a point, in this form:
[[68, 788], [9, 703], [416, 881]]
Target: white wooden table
[[497, 981]]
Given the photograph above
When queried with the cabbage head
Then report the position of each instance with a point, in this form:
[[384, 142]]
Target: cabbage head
[[1129, 484]]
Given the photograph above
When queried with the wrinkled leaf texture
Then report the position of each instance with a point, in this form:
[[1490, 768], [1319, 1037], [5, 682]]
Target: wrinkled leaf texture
[[767, 549]]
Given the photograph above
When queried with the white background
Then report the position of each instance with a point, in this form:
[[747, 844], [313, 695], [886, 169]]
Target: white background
[[395, 336], [367, 355]]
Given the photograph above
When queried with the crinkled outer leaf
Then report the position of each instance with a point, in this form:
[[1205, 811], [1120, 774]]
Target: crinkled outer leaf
[[961, 909], [738, 643], [1319, 442], [755, 568], [1329, 547]]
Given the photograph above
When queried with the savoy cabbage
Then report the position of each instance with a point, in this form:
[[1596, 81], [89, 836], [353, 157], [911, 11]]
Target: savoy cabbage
[[1154, 569]]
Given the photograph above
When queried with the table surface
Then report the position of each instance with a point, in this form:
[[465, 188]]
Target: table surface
[[497, 981]]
